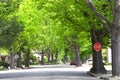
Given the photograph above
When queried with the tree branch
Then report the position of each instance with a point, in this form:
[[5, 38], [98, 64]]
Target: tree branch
[[111, 7], [94, 10], [104, 33], [117, 15], [94, 37], [100, 17], [97, 13], [106, 27]]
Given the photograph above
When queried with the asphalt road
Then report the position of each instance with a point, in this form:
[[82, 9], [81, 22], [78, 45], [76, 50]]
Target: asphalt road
[[48, 72]]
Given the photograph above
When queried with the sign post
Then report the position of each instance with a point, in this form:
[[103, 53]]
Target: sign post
[[97, 46]]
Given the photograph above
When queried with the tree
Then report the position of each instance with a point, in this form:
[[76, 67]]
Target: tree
[[74, 15], [62, 15], [96, 37], [10, 26], [112, 26], [61, 20], [39, 31]]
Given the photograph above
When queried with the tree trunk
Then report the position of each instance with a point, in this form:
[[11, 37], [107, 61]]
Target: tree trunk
[[19, 62], [56, 57], [12, 66], [115, 39], [52, 58], [48, 58], [75, 49], [77, 58], [27, 60], [98, 66], [65, 58], [42, 58], [115, 45]]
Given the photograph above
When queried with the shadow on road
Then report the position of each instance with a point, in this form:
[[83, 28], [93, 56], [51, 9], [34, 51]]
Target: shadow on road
[[48, 72]]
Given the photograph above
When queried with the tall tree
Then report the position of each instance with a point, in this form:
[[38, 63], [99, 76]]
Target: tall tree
[[73, 15], [112, 26], [96, 37]]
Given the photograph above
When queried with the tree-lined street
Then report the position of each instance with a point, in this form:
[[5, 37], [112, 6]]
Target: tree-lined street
[[50, 32]]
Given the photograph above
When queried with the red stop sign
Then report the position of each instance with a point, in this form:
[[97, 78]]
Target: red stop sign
[[97, 46]]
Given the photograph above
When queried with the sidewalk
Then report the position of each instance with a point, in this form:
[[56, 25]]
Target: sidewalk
[[101, 76], [107, 76]]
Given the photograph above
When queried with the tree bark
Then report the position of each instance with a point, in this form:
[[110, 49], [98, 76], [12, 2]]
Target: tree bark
[[27, 60], [12, 66], [115, 45], [48, 58], [77, 57], [75, 49], [52, 58], [19, 62], [56, 57], [98, 66], [115, 39], [65, 58], [42, 58]]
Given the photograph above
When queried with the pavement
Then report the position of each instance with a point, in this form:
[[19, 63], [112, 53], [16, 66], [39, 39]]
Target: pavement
[[107, 76], [49, 72]]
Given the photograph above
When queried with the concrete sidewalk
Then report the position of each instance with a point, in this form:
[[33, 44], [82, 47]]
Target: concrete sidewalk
[[101, 76], [107, 76]]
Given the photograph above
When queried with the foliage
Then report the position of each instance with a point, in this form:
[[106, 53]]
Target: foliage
[[4, 64], [49, 24], [3, 51], [10, 27]]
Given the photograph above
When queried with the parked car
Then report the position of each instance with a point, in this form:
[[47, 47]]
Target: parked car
[[73, 63]]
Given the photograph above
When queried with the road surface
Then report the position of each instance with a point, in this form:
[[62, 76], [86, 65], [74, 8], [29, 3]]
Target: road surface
[[48, 72]]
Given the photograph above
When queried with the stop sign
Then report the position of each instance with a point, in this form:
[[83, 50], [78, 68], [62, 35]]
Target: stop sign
[[97, 46]]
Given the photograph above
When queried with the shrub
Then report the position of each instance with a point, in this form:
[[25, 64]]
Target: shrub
[[4, 64]]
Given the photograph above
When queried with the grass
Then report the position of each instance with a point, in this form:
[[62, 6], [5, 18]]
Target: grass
[[107, 63], [1, 68]]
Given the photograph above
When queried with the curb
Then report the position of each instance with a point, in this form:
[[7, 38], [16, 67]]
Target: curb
[[104, 76], [94, 75], [111, 78]]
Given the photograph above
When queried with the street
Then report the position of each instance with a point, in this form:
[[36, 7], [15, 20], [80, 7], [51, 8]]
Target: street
[[48, 72]]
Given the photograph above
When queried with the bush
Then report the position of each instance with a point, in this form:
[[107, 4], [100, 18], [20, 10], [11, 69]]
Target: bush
[[4, 64]]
